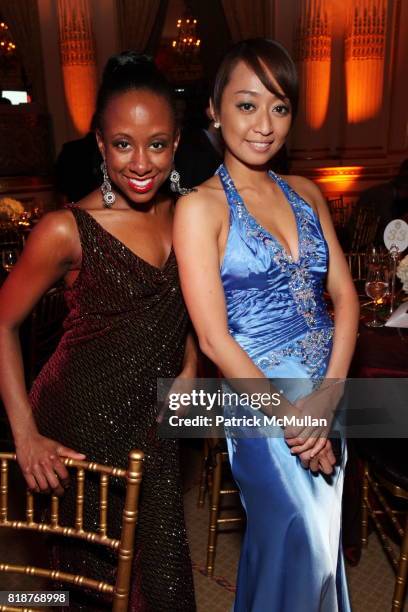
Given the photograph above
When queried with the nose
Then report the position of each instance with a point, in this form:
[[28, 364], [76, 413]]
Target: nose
[[140, 162], [263, 124]]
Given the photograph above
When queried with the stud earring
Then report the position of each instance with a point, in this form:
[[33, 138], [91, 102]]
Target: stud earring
[[108, 195], [175, 184], [217, 124]]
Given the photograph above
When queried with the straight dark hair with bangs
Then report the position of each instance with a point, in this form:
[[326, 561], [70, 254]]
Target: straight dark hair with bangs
[[263, 55]]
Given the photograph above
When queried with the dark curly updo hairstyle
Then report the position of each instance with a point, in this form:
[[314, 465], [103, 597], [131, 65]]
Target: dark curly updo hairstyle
[[129, 71], [263, 56]]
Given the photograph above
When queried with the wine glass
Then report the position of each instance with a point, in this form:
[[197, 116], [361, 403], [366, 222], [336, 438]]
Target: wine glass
[[376, 287], [9, 259]]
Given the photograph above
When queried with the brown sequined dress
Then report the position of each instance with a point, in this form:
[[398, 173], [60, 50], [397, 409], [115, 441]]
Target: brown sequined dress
[[126, 327]]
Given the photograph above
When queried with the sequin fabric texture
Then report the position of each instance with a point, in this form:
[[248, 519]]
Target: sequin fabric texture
[[126, 327]]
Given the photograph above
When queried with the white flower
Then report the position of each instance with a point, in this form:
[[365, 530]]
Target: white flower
[[402, 273]]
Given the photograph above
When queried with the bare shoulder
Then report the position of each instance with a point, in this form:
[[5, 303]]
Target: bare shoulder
[[58, 223], [57, 232], [206, 201], [308, 190]]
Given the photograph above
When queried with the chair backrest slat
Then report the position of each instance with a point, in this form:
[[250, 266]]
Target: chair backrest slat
[[30, 507], [356, 264], [103, 504], [3, 490], [79, 510], [124, 546], [130, 512], [54, 510]]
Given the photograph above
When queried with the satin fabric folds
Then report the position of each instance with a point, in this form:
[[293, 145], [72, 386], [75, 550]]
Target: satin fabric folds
[[291, 558]]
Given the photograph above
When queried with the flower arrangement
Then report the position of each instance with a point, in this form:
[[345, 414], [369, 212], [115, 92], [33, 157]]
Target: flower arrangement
[[402, 273], [10, 209]]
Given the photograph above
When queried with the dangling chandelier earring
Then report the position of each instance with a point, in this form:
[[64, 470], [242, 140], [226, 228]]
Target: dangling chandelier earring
[[108, 195], [175, 184]]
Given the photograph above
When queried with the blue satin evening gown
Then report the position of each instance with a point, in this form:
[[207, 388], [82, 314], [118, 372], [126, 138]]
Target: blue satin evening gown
[[291, 557]]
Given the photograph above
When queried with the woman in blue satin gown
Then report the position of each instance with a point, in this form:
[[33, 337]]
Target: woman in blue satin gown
[[255, 252]]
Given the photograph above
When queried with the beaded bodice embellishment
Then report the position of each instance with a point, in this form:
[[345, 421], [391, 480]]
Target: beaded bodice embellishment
[[299, 280], [311, 349]]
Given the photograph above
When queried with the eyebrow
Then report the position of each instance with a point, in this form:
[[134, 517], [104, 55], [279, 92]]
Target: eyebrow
[[256, 93], [155, 135], [247, 91]]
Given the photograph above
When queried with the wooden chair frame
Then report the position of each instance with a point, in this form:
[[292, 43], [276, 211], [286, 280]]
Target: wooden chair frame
[[374, 483], [339, 211], [214, 457], [357, 265], [133, 476]]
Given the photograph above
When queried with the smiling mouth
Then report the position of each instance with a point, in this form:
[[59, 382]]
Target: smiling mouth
[[141, 185], [259, 146]]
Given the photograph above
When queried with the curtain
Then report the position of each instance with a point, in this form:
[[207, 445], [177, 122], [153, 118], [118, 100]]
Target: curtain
[[249, 19], [22, 18], [77, 49], [153, 43], [214, 33], [136, 20]]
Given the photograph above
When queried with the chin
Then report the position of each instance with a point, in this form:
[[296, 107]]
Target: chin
[[256, 160], [136, 197], [141, 198]]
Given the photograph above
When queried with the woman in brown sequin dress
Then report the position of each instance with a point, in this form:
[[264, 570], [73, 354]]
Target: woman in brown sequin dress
[[126, 326]]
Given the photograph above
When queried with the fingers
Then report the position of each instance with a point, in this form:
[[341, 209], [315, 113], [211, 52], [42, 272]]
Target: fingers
[[325, 465], [31, 481], [62, 472], [319, 445], [42, 466], [305, 445], [64, 451], [330, 455], [326, 458], [53, 482], [47, 477], [314, 465], [319, 458], [41, 481]]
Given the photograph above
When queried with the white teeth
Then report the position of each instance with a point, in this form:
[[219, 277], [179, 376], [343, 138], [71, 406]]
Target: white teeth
[[140, 183], [260, 145]]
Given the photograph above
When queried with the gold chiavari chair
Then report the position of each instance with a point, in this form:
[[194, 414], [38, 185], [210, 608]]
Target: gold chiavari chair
[[385, 481], [124, 547], [339, 211], [364, 226], [357, 265], [206, 473], [221, 484]]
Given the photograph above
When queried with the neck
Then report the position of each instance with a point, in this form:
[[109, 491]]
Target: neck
[[152, 207], [244, 173]]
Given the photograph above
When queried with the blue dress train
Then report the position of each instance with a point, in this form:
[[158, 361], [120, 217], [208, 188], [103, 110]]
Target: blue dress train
[[291, 557]]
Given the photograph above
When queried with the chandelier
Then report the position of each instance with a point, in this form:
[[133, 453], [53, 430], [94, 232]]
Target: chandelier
[[187, 43], [7, 47]]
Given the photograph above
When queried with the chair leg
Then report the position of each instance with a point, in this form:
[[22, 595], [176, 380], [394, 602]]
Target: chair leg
[[204, 475], [401, 578], [214, 512], [364, 508]]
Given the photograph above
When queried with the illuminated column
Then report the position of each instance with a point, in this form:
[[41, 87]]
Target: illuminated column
[[78, 61], [365, 49], [313, 54]]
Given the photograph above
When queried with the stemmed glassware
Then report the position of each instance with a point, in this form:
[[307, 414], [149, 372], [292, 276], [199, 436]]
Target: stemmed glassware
[[9, 258], [377, 285]]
